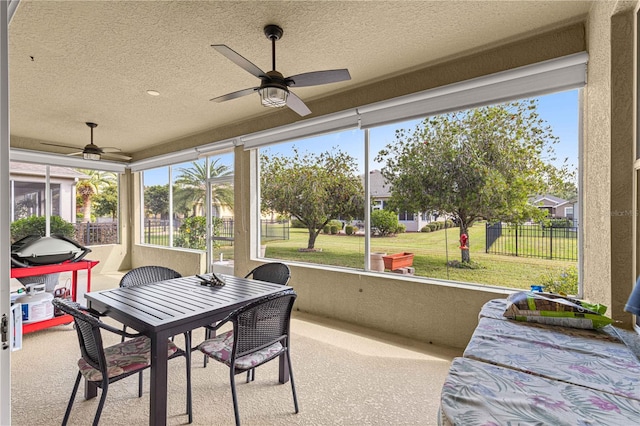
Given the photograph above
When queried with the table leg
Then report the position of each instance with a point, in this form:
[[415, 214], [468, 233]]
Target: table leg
[[158, 397]]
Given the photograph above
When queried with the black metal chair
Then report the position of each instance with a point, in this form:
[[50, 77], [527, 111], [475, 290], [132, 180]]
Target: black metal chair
[[276, 272], [260, 334], [147, 275], [103, 366]]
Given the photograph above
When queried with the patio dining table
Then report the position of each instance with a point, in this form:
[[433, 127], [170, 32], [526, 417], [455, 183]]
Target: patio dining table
[[168, 308]]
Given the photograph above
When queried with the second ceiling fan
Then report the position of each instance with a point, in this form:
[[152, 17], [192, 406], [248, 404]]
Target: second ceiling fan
[[274, 87]]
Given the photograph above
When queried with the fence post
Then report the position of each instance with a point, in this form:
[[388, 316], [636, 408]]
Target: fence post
[[517, 240], [551, 242], [486, 236]]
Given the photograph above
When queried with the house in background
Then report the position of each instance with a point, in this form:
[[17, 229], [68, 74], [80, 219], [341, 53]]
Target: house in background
[[556, 207], [380, 195], [27, 187]]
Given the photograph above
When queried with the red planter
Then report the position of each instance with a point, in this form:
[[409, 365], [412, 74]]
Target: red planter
[[398, 260]]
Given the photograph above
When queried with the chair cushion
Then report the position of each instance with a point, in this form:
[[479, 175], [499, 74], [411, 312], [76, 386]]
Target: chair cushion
[[128, 356], [220, 347]]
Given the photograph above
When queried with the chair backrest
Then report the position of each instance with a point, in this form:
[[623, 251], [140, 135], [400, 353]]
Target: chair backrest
[[147, 274], [262, 323], [277, 273], [89, 336]]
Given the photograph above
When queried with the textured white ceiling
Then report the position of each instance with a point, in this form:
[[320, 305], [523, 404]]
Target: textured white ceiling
[[78, 61]]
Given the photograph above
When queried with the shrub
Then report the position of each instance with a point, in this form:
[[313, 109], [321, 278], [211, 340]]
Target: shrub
[[449, 223], [326, 229], [337, 223], [384, 221], [566, 282], [433, 226], [193, 232], [297, 223], [348, 229], [401, 229], [36, 225], [425, 228], [333, 229]]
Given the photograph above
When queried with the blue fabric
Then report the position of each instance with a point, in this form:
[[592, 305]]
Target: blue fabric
[[633, 304]]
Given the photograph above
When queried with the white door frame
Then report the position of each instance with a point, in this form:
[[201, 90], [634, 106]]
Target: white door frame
[[7, 9]]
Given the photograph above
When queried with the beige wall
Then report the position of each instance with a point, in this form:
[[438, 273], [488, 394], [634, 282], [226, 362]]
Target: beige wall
[[442, 313]]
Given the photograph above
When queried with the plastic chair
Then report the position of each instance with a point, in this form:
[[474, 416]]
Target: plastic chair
[[260, 334], [276, 272], [103, 366], [147, 275]]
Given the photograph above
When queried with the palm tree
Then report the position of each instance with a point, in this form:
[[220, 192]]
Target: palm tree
[[95, 181], [193, 184]]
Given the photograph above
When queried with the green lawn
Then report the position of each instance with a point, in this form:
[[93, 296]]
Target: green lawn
[[430, 259]]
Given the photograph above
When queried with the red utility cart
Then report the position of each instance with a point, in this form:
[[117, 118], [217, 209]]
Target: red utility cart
[[73, 267]]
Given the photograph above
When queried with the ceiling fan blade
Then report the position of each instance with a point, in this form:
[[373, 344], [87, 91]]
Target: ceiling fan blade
[[318, 77], [118, 156], [110, 149], [61, 146], [234, 95], [239, 60], [296, 104], [74, 154]]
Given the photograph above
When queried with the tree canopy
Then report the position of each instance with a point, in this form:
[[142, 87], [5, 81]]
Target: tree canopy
[[87, 188], [191, 185], [480, 163], [313, 188], [156, 200]]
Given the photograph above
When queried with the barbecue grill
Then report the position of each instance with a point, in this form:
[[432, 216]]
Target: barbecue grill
[[34, 250]]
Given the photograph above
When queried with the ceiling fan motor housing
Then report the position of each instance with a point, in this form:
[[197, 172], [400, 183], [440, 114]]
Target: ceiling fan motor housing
[[273, 32]]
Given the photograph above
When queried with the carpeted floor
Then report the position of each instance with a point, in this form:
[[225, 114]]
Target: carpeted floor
[[344, 376]]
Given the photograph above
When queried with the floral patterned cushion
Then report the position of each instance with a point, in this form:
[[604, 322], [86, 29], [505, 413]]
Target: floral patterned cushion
[[130, 355], [480, 394], [219, 348]]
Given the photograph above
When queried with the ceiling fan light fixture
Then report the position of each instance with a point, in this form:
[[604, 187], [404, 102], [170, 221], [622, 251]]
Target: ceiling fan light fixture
[[90, 156], [273, 97]]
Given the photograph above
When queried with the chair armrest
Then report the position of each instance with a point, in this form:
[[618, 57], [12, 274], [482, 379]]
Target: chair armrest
[[118, 331]]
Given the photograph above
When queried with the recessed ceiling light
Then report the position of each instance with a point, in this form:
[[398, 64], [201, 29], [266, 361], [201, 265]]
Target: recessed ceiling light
[[153, 93]]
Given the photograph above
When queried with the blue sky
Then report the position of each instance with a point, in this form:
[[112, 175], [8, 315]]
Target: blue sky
[[559, 110]]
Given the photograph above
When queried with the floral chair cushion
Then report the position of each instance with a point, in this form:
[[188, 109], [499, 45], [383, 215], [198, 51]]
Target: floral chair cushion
[[130, 355], [220, 347]]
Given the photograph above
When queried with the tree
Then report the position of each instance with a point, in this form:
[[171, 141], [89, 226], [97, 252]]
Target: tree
[[193, 181], [106, 202], [479, 163], [156, 200], [95, 182], [313, 188]]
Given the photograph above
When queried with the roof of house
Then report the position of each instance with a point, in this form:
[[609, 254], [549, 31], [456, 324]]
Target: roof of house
[[547, 200], [18, 168], [377, 185]]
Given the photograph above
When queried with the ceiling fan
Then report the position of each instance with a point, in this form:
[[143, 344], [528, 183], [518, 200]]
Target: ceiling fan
[[274, 87], [92, 151]]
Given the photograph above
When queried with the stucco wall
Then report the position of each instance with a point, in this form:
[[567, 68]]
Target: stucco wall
[[607, 158]]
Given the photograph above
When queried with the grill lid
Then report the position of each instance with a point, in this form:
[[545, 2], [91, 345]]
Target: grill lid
[[37, 250]]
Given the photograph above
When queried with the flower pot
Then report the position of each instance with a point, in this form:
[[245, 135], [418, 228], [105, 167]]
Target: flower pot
[[398, 260], [376, 263]]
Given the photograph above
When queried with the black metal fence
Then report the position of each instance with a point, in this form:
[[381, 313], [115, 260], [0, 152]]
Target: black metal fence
[[156, 231], [546, 242], [271, 230], [95, 233]]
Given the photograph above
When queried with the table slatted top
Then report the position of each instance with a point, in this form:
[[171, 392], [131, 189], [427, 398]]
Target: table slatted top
[[169, 302]]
